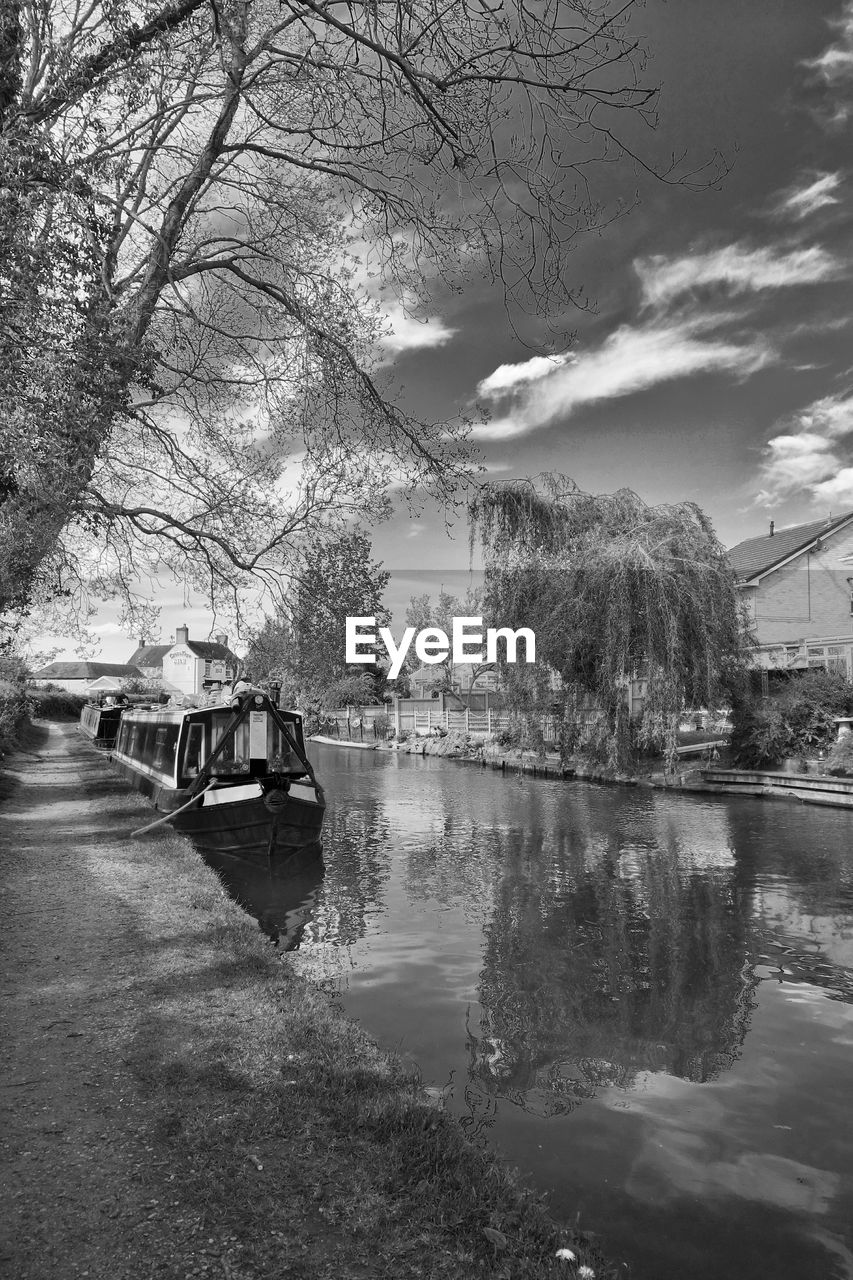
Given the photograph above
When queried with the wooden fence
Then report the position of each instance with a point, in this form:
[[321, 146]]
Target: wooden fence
[[371, 724]]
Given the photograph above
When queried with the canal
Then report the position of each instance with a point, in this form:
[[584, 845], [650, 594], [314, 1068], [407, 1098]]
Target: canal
[[643, 1000]]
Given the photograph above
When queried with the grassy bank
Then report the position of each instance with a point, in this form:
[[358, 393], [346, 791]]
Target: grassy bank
[[253, 1129], [347, 1157], [13, 713]]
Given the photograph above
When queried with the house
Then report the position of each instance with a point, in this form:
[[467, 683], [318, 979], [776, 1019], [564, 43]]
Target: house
[[149, 659], [798, 584], [426, 681], [83, 677], [188, 666]]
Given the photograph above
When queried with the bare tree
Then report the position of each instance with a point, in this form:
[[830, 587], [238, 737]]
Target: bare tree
[[188, 193]]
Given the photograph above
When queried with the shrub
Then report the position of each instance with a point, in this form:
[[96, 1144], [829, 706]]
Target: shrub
[[840, 759], [799, 720], [54, 704], [13, 710]]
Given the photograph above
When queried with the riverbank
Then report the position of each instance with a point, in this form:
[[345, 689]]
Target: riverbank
[[802, 788], [180, 1103]]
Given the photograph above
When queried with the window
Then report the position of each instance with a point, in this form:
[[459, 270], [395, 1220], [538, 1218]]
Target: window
[[234, 756], [194, 755], [165, 747], [832, 657]]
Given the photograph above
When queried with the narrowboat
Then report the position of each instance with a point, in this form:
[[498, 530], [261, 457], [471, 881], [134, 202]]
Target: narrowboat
[[233, 776], [100, 724]]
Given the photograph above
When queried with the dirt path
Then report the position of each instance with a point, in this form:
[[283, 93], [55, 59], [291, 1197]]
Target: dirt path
[[80, 1193]]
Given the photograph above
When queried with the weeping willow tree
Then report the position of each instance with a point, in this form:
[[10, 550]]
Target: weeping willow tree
[[614, 590]]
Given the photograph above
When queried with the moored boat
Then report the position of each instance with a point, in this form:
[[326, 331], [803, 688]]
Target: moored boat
[[234, 777], [100, 723]]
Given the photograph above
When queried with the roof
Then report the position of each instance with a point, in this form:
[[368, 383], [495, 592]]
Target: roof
[[149, 655], [85, 670], [211, 649], [755, 556], [152, 655]]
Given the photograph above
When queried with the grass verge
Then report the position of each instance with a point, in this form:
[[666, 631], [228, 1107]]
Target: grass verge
[[347, 1161]]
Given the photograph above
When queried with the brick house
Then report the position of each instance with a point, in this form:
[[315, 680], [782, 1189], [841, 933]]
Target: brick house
[[798, 583]]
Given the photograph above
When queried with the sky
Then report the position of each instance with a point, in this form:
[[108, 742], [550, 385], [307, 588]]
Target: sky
[[714, 362]]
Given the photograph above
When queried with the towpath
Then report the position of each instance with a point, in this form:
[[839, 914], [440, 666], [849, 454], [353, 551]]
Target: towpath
[[178, 1103], [83, 966]]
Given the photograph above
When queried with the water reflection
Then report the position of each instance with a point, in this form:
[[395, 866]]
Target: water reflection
[[590, 977], [645, 1001], [280, 899]]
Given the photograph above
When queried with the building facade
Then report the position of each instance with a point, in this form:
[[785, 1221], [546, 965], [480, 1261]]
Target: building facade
[[798, 586]]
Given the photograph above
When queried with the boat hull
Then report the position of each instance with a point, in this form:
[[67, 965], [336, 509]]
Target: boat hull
[[100, 725], [248, 829]]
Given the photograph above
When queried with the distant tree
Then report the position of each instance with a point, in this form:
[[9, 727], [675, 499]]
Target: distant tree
[[304, 644], [612, 589], [193, 194], [422, 613]]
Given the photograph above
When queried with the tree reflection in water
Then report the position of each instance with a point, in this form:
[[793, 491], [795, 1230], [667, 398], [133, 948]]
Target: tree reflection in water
[[592, 975]]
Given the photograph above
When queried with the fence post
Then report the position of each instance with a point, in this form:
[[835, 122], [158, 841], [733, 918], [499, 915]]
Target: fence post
[[489, 721], [397, 718], [467, 719], [429, 718]]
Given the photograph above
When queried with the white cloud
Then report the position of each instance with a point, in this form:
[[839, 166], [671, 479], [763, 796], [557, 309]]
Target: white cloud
[[507, 376], [805, 458], [629, 360], [833, 71], [839, 488], [816, 195], [737, 268], [407, 333], [836, 61]]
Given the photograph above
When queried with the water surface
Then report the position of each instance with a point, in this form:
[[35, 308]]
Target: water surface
[[642, 1000]]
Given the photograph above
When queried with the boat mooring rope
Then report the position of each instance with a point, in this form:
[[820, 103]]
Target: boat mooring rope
[[168, 817]]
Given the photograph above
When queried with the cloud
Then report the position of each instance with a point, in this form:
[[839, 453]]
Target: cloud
[[808, 457], [817, 195], [507, 376], [839, 488], [629, 360], [836, 62], [832, 71], [407, 333], [737, 268]]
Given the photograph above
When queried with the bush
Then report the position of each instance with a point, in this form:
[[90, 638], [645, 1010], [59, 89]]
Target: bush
[[840, 760], [54, 704], [13, 711], [797, 721]]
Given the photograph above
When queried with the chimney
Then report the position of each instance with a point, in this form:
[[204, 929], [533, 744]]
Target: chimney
[[221, 638], [182, 634], [772, 527]]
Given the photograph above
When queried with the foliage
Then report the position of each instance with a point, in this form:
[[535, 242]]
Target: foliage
[[760, 737], [304, 644], [797, 721], [13, 710], [198, 202], [612, 589], [839, 762], [422, 613], [54, 704]]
